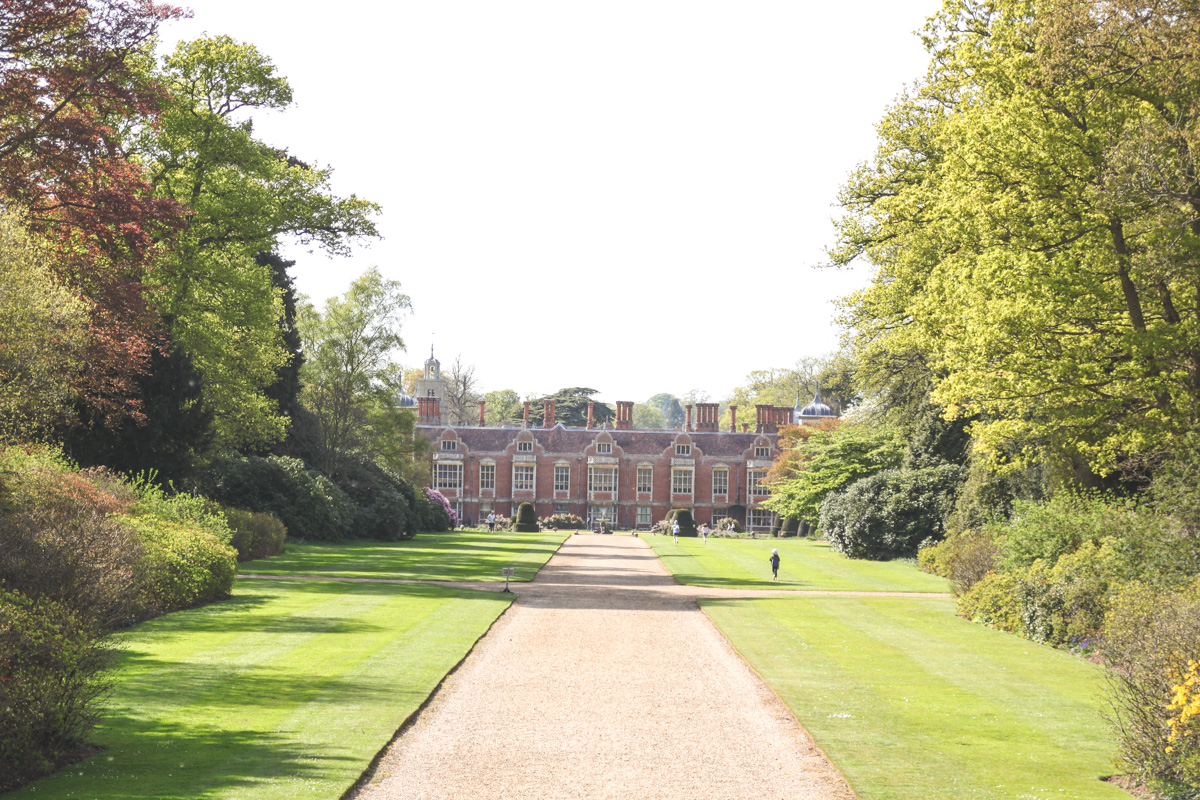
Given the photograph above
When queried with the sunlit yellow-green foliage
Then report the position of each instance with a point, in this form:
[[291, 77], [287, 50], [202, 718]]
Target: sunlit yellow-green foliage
[[1033, 213], [243, 197], [43, 332]]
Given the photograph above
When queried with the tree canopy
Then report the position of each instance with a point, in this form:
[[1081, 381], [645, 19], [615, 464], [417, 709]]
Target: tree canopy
[[243, 197], [1033, 213]]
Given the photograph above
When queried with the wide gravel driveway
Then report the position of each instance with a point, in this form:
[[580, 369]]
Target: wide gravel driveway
[[604, 680]]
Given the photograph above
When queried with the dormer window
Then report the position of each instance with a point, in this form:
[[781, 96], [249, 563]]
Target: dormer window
[[603, 448], [449, 444], [524, 447], [762, 452], [683, 449]]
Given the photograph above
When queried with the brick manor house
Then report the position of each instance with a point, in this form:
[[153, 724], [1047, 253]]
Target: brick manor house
[[629, 478]]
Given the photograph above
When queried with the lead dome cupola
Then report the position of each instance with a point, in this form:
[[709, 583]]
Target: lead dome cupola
[[816, 408]]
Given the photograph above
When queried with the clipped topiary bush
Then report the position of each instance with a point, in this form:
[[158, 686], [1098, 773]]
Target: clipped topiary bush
[[687, 525], [309, 504], [557, 522], [790, 527], [526, 520], [889, 514], [255, 533]]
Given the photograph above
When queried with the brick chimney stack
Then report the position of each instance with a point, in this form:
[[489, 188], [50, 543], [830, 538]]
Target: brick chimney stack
[[733, 419], [590, 419], [429, 411], [689, 418], [526, 418], [708, 417], [481, 418], [624, 415], [548, 414], [553, 413]]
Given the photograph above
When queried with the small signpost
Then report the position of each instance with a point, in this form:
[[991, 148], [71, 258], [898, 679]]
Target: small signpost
[[507, 572]]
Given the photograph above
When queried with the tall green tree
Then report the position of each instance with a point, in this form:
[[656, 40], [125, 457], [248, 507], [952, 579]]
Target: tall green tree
[[243, 198], [1033, 213], [501, 406], [351, 382], [570, 408]]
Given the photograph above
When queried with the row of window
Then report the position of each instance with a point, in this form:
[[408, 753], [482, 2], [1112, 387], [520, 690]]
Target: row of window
[[759, 517], [605, 448], [600, 479]]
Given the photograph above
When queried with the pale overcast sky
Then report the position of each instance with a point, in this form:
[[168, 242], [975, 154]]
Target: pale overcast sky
[[629, 195]]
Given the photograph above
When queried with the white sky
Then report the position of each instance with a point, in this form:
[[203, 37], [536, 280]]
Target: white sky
[[629, 195]]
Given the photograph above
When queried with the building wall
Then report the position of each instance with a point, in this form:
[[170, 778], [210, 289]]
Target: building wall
[[579, 448]]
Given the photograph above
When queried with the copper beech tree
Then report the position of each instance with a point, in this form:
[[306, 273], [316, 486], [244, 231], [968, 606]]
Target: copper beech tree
[[69, 87]]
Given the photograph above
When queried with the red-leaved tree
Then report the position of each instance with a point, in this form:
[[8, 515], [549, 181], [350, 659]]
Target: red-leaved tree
[[69, 86]]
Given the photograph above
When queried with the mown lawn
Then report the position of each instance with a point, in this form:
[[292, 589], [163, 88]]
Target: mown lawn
[[287, 690], [913, 703], [804, 564], [453, 556]]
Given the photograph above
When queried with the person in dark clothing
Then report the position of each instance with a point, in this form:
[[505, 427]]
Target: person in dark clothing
[[774, 565]]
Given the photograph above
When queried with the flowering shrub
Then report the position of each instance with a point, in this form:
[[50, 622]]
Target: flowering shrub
[[1152, 646], [1185, 726], [439, 499]]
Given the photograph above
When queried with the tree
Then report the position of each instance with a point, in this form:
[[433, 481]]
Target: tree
[[502, 406], [669, 408], [350, 380], [461, 399], [819, 460], [647, 417], [832, 376], [570, 407], [243, 198], [1034, 215], [69, 88], [45, 336]]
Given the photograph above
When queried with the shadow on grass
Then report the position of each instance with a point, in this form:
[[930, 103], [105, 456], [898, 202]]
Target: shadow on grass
[[153, 759]]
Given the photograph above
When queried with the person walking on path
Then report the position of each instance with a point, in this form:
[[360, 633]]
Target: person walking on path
[[675, 531], [491, 519], [774, 564]]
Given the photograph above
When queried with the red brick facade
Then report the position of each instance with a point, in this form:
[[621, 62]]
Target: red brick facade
[[601, 473]]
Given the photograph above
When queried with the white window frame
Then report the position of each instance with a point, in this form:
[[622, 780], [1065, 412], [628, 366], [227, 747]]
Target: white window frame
[[608, 484], [447, 475], [754, 483], [604, 448], [643, 515], [682, 449], [520, 484], [562, 482], [761, 451], [646, 471], [524, 447], [449, 444], [487, 476], [723, 488], [678, 482]]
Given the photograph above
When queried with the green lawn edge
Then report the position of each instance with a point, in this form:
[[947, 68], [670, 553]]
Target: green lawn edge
[[469, 556], [806, 565], [910, 702], [286, 690]]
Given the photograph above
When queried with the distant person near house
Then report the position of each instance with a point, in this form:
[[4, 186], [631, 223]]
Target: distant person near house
[[491, 521], [675, 531], [774, 565]]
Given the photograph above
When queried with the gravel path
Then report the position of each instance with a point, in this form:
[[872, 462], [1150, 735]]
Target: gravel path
[[604, 680]]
